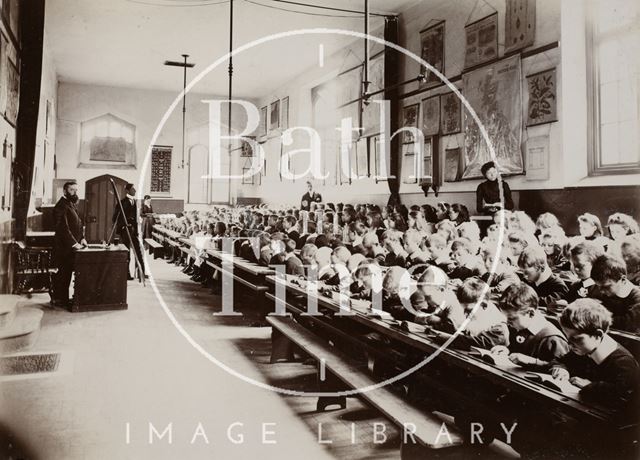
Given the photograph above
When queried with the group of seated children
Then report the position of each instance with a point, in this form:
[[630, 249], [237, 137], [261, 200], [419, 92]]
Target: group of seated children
[[498, 290]]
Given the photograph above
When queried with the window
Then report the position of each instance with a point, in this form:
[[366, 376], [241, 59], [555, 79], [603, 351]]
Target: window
[[613, 82]]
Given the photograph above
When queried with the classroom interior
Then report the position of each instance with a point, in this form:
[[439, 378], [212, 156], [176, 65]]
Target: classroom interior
[[213, 354]]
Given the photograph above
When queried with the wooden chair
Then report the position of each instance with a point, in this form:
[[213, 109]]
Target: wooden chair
[[34, 269]]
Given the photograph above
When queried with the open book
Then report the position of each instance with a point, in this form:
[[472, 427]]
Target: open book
[[563, 386], [500, 360]]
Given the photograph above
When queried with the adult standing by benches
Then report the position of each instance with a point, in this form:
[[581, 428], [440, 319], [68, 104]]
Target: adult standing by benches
[[129, 221], [69, 236], [310, 197]]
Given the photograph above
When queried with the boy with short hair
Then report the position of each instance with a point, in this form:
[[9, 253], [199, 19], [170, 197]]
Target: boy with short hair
[[538, 274], [604, 370], [536, 341], [617, 293]]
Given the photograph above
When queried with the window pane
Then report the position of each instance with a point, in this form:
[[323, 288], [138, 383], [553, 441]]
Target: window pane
[[628, 135], [609, 144], [609, 103]]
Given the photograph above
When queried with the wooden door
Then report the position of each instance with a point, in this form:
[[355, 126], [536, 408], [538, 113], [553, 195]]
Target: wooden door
[[100, 203]]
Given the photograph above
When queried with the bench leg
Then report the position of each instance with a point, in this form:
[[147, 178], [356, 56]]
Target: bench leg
[[329, 382], [281, 347], [326, 401]]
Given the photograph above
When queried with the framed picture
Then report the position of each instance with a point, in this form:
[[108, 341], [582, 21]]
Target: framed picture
[[432, 51], [431, 116], [481, 41], [410, 120], [274, 119], [284, 123], [450, 114], [500, 110], [262, 128], [452, 164], [246, 180], [537, 158], [371, 112], [519, 24], [543, 105]]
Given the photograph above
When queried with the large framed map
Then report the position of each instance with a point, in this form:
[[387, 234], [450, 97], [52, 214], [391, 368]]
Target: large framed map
[[494, 92]]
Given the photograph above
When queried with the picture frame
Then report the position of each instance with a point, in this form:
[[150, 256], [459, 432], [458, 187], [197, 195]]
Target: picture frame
[[450, 114], [262, 127], [432, 51], [519, 24], [542, 106], [431, 115], [274, 115], [246, 180], [537, 158], [481, 38], [410, 119], [284, 111], [453, 164]]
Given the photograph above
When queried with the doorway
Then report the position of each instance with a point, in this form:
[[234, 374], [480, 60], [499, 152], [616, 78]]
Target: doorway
[[99, 206]]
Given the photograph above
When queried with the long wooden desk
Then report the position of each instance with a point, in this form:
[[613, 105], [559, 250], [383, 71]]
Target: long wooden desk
[[416, 340]]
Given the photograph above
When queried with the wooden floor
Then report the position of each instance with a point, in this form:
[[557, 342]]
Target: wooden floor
[[134, 367]]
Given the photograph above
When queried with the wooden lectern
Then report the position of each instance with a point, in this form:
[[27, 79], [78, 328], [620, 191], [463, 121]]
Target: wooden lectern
[[100, 278]]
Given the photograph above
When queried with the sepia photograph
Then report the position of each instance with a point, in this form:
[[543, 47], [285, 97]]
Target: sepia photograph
[[320, 229]]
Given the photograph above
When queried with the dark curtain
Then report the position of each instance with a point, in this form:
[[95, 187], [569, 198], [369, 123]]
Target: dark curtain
[[391, 78], [32, 31]]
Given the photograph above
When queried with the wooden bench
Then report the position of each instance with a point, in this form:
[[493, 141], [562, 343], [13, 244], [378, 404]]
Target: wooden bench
[[154, 248], [420, 428]]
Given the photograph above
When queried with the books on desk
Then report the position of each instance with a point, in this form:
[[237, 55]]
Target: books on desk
[[494, 358], [563, 386]]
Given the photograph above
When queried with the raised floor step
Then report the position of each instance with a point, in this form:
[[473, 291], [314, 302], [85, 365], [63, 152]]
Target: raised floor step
[[23, 331], [8, 305]]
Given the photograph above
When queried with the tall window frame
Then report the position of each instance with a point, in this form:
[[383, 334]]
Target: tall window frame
[[599, 159]]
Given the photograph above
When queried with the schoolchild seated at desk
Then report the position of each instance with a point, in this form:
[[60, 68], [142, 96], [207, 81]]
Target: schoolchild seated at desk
[[487, 325], [582, 256], [500, 277], [434, 296], [466, 264], [617, 293], [536, 272], [604, 370], [534, 341]]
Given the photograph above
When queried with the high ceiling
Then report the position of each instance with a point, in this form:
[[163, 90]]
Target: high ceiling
[[125, 42]]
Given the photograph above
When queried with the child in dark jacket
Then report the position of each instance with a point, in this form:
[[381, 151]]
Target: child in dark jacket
[[604, 370], [535, 341]]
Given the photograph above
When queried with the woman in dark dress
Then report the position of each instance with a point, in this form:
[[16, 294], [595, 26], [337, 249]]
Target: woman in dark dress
[[147, 216], [488, 192]]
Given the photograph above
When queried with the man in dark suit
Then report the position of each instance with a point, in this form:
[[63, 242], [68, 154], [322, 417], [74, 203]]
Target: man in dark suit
[[69, 237], [309, 197], [129, 221]]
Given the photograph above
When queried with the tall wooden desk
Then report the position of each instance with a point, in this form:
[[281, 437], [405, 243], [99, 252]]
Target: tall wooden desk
[[100, 278]]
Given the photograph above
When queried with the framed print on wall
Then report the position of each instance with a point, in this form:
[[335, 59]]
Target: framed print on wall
[[284, 110], [450, 114], [410, 120], [262, 128], [481, 41], [431, 115], [543, 104], [432, 51], [274, 120]]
